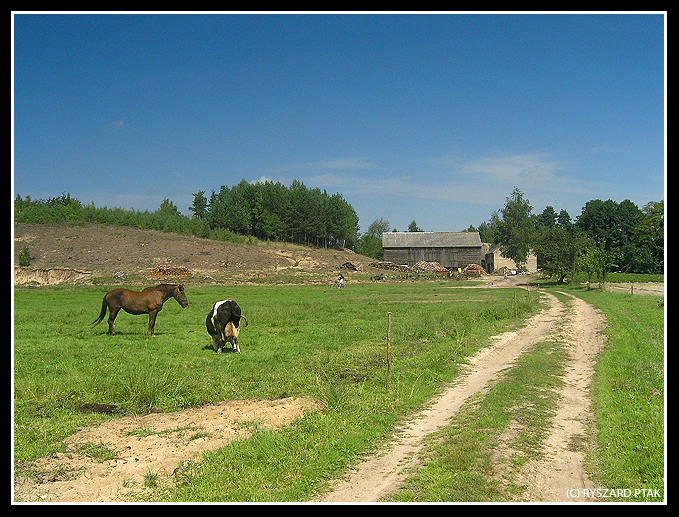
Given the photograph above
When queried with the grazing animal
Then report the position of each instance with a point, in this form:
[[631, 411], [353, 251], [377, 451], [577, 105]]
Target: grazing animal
[[149, 301], [223, 324]]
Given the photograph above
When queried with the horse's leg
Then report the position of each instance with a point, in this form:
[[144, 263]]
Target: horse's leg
[[112, 313], [152, 322]]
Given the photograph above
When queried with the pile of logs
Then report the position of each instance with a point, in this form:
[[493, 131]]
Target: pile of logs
[[390, 266], [474, 270], [168, 271], [350, 265], [427, 267]]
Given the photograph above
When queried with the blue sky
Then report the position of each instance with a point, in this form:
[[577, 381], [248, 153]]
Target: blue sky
[[426, 117]]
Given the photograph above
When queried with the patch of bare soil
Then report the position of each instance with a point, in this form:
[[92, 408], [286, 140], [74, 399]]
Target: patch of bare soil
[[49, 276], [101, 250], [153, 444], [563, 467]]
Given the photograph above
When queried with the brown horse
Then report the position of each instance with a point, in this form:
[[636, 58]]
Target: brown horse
[[149, 301]]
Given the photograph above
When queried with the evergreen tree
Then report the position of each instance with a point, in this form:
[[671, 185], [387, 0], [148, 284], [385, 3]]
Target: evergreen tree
[[412, 227], [199, 206]]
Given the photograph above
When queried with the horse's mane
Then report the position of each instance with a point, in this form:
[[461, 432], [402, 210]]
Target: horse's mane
[[161, 286]]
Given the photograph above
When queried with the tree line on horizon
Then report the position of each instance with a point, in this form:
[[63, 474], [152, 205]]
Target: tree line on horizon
[[606, 236], [272, 211], [263, 210]]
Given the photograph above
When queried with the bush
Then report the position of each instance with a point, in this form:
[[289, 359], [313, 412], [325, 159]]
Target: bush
[[25, 257]]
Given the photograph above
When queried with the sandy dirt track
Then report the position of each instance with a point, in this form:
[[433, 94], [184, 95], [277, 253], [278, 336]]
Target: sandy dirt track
[[562, 467]]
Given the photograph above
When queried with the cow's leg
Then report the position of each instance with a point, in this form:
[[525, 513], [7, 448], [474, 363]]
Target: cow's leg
[[223, 340], [217, 343], [112, 313], [235, 344]]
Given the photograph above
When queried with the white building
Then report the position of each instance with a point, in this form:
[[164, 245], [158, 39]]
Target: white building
[[495, 260]]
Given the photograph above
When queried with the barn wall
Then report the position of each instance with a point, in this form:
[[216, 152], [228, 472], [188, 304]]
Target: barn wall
[[447, 257]]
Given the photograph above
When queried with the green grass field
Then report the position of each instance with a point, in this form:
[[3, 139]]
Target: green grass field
[[308, 341], [629, 394], [301, 340]]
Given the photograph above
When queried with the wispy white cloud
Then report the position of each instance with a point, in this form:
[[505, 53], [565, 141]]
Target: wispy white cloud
[[347, 163], [446, 184], [483, 180], [263, 179], [519, 168]]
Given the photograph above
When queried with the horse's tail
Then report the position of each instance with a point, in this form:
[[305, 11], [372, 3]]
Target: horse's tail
[[104, 306]]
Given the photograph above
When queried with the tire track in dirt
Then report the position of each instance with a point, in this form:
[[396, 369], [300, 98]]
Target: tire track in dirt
[[383, 472], [561, 471]]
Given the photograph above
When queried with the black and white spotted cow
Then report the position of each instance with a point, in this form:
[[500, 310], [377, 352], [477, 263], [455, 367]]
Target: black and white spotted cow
[[223, 324]]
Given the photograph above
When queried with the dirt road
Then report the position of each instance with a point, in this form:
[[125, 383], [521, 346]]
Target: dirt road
[[547, 480]]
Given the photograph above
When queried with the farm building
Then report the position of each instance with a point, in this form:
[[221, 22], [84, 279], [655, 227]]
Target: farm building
[[450, 249], [495, 260]]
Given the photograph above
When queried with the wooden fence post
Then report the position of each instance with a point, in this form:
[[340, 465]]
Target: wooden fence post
[[388, 350]]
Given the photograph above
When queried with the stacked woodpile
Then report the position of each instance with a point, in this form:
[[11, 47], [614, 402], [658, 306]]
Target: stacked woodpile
[[474, 270], [350, 265], [427, 267], [390, 266], [168, 271]]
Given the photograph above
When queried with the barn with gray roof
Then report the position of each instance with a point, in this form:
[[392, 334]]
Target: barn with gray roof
[[450, 249]]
